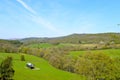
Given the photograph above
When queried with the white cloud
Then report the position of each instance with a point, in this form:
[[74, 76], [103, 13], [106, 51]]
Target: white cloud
[[26, 6], [43, 22], [38, 19]]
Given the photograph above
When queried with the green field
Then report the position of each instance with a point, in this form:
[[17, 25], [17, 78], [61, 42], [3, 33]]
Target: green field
[[43, 71], [41, 45], [114, 53]]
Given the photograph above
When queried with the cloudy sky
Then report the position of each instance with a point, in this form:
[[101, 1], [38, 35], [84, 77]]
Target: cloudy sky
[[52, 18]]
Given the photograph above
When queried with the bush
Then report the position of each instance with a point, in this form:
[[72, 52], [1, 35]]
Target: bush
[[6, 70], [22, 57]]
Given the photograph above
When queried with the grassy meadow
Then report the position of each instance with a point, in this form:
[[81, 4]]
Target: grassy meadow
[[40, 45], [43, 71], [48, 45], [114, 53]]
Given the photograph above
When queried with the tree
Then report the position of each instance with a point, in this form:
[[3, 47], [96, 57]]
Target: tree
[[68, 63], [22, 57], [117, 64], [6, 70], [97, 66], [56, 60]]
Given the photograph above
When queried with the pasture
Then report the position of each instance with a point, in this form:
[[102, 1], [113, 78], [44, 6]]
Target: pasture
[[40, 45], [113, 53]]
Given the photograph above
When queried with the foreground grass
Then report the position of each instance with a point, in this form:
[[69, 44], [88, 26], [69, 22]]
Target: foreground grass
[[44, 70], [114, 53]]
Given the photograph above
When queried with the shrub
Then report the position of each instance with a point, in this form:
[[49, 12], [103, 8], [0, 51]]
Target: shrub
[[22, 57], [6, 70]]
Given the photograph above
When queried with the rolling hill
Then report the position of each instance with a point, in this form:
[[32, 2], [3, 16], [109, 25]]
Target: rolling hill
[[76, 38]]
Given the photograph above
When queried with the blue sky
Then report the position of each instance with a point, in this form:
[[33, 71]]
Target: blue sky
[[52, 18]]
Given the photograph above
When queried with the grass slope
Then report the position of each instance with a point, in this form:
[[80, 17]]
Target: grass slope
[[40, 45], [114, 53], [45, 72]]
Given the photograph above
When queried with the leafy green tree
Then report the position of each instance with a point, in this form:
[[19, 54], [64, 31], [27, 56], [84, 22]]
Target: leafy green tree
[[22, 57], [68, 64], [97, 66], [117, 67], [6, 70], [57, 61]]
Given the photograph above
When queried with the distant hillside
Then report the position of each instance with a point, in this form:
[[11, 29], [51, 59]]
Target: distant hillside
[[32, 40], [77, 38], [9, 45], [11, 42]]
